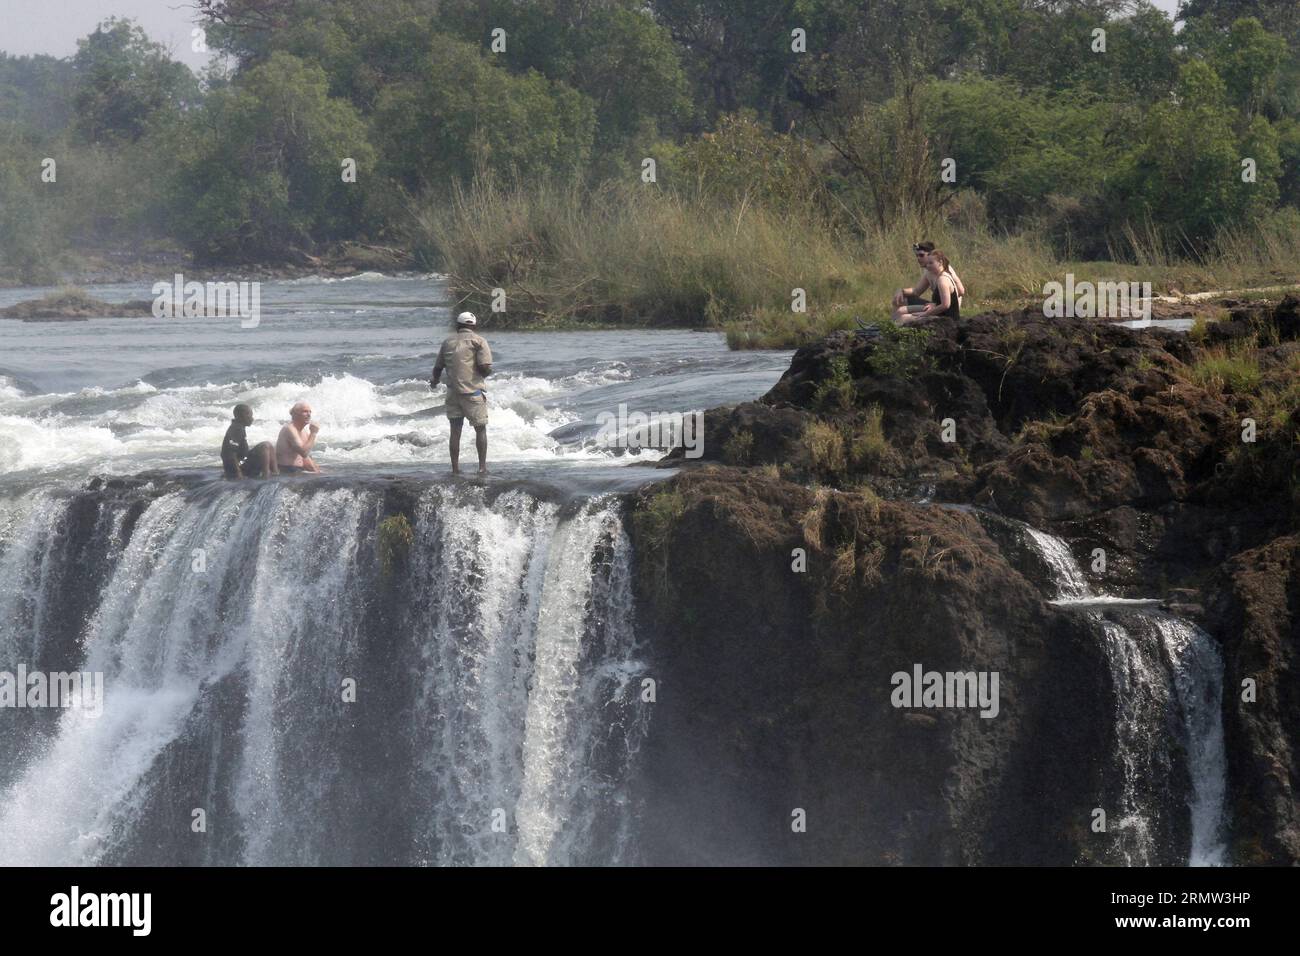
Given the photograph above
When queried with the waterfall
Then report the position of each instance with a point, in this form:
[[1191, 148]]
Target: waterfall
[[1198, 682], [1142, 702], [275, 694], [1063, 568], [1167, 676], [526, 701]]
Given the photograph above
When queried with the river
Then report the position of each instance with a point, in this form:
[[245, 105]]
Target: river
[[123, 395]]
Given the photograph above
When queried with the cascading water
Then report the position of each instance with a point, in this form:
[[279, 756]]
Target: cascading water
[[1167, 676], [525, 706], [1142, 734], [1198, 682], [276, 694], [1061, 565]]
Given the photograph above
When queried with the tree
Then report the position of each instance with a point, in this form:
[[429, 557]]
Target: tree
[[1209, 25], [1249, 59], [462, 114], [121, 78], [1017, 146], [36, 93], [30, 233], [261, 167], [737, 52], [614, 52], [744, 161], [1187, 173]]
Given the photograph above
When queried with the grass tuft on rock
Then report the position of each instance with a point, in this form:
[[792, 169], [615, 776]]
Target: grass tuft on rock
[[394, 538]]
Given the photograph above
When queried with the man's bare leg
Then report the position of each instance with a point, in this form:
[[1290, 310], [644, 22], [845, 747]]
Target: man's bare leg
[[480, 443], [269, 465], [454, 443]]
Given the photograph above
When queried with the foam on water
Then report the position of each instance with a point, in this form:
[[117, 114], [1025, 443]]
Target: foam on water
[[138, 427]]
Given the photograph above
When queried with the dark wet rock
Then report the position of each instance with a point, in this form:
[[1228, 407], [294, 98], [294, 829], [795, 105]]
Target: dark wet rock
[[776, 685], [1256, 613], [1119, 440]]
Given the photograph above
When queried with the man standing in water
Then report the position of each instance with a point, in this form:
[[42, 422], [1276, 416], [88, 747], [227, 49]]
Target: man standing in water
[[466, 359]]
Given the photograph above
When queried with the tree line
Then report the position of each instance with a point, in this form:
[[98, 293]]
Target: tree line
[[1102, 124]]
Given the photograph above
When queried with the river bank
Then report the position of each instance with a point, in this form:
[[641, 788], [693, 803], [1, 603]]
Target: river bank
[[155, 261]]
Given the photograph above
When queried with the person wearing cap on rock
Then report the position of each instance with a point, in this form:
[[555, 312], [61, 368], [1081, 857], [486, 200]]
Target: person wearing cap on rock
[[466, 359]]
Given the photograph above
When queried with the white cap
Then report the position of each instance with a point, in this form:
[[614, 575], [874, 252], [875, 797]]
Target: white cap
[[466, 318]]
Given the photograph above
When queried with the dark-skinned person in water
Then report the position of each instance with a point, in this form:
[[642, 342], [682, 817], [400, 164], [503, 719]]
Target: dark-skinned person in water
[[237, 459]]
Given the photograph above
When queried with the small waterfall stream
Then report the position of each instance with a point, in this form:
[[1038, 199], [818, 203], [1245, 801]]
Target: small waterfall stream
[[1168, 679]]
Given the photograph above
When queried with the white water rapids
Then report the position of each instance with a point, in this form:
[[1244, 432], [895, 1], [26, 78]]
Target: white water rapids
[[503, 701]]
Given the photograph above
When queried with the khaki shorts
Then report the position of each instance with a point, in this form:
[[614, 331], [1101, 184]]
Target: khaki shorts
[[472, 407]]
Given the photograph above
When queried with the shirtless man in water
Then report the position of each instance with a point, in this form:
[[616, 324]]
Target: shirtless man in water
[[297, 438]]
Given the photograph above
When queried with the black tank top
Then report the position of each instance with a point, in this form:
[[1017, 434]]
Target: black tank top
[[954, 306]]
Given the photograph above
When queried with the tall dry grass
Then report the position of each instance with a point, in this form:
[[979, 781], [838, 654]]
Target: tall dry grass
[[638, 254]]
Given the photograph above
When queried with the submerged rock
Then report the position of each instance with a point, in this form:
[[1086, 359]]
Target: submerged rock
[[74, 305]]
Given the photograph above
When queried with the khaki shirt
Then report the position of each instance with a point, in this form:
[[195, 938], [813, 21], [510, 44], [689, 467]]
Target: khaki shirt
[[464, 356]]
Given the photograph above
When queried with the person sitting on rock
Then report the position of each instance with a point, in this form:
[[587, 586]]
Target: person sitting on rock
[[296, 440], [946, 300], [912, 296], [237, 459]]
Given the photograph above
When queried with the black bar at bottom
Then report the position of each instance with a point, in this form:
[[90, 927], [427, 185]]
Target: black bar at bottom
[[333, 906]]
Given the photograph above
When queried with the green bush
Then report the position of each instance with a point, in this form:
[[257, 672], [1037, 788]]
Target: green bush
[[899, 352], [869, 446], [1232, 370], [739, 448], [394, 539], [835, 392]]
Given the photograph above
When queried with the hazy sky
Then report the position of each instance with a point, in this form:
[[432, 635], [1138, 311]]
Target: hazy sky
[[53, 26]]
